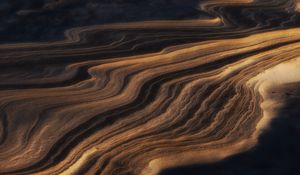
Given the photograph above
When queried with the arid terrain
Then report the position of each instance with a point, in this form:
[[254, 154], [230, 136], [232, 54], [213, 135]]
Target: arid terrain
[[150, 87]]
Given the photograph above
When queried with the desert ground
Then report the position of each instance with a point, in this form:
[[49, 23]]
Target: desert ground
[[150, 87]]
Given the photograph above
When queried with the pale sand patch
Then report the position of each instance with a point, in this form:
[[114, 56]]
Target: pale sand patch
[[287, 72]]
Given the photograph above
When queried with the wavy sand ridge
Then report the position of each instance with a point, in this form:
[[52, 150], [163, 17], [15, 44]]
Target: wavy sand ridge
[[124, 105]]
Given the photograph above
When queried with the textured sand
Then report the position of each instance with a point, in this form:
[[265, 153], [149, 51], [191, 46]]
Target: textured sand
[[138, 97]]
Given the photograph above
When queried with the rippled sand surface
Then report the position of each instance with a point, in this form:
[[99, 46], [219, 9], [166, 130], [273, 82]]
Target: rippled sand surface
[[149, 87]]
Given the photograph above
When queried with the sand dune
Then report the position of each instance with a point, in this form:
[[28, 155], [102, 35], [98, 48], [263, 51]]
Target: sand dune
[[139, 97]]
